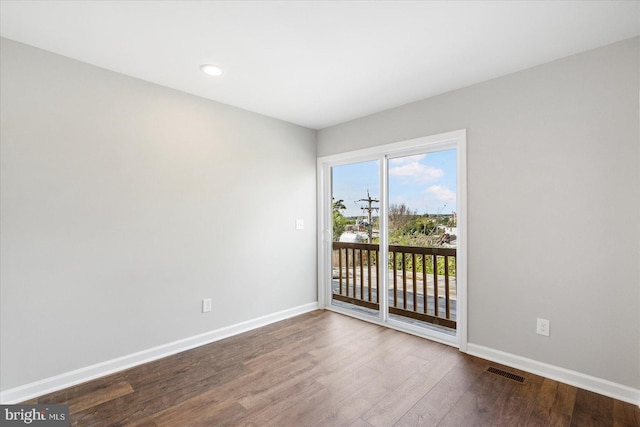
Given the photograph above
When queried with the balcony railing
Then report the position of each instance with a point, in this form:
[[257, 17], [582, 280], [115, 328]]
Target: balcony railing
[[422, 281]]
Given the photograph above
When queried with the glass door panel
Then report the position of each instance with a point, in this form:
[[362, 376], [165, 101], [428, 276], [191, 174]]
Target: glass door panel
[[355, 190], [422, 235]]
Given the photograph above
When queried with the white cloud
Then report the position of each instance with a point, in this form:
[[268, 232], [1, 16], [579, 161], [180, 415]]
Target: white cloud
[[419, 172], [441, 193]]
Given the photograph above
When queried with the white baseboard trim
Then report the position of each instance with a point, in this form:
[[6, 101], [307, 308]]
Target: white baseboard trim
[[68, 379], [577, 379]]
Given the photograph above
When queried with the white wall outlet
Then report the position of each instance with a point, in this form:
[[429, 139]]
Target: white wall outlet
[[206, 305], [299, 224], [543, 327]]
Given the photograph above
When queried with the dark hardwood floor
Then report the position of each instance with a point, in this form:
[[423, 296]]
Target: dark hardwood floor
[[325, 369]]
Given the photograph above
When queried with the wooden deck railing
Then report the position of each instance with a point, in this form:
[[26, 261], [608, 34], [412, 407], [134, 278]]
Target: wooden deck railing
[[421, 282]]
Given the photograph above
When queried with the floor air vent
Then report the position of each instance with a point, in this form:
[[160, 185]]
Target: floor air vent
[[506, 374]]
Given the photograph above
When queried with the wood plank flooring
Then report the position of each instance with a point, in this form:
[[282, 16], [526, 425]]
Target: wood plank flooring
[[326, 369]]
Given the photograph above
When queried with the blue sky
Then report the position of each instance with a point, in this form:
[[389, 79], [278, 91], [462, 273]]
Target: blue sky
[[425, 182]]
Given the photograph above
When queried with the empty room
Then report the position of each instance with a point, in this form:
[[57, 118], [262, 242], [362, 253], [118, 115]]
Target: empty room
[[320, 213]]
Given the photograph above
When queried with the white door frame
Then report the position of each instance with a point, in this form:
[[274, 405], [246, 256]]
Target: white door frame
[[455, 139]]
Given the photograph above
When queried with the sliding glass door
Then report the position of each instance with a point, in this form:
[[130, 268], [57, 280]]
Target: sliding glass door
[[392, 221], [355, 206], [422, 237]]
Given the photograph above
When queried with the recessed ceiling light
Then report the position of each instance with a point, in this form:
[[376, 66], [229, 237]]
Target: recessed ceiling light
[[212, 70]]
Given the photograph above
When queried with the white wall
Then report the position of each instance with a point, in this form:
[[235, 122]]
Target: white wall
[[553, 205], [125, 203]]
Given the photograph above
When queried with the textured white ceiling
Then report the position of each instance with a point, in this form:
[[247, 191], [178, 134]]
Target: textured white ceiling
[[323, 62]]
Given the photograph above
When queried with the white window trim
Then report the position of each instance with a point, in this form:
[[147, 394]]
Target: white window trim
[[455, 139]]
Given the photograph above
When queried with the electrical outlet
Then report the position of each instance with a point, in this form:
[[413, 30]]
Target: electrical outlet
[[206, 305], [299, 224], [543, 327]]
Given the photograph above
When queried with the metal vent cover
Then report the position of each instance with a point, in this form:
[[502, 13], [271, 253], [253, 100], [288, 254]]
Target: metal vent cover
[[509, 375]]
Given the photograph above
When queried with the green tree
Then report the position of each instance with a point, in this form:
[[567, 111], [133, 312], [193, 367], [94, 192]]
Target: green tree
[[339, 221], [338, 205]]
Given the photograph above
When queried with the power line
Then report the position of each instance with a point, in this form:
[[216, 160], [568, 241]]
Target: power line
[[369, 208]]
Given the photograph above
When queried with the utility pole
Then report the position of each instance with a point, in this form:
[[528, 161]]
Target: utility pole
[[369, 208]]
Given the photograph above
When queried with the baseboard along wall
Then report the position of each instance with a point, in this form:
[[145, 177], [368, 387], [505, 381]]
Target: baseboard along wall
[[567, 376], [69, 379]]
